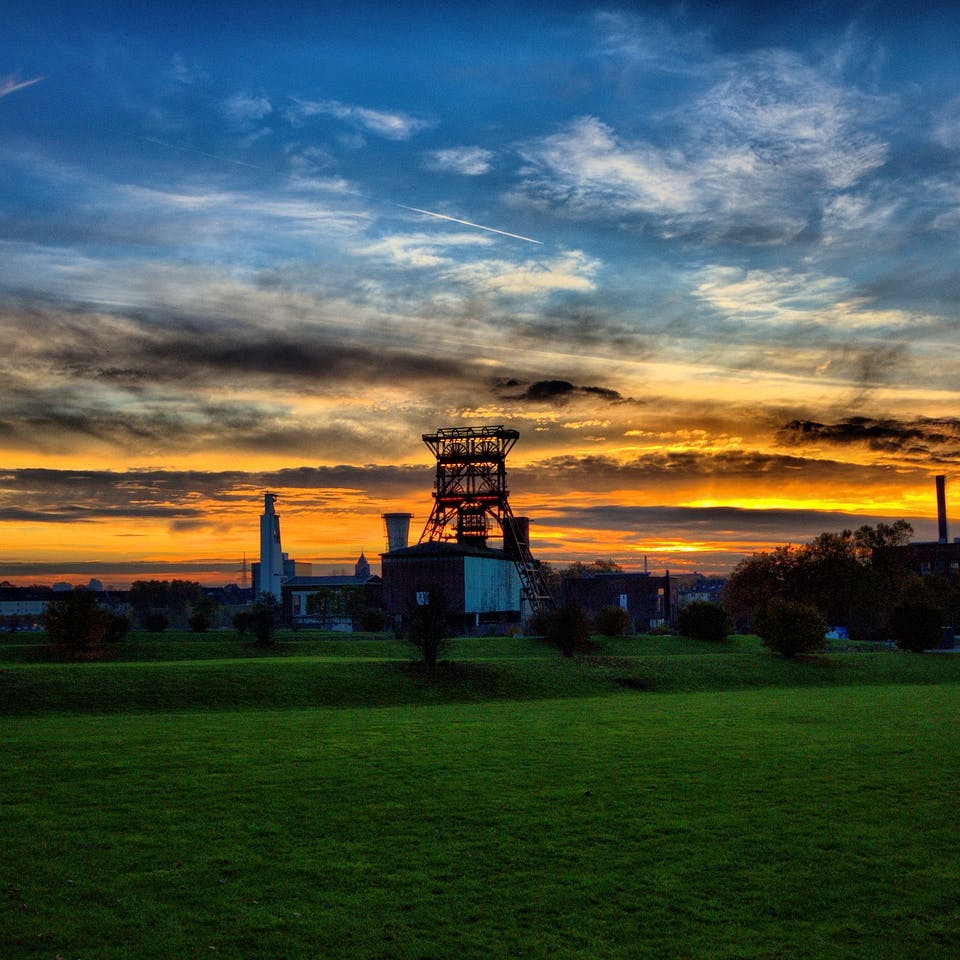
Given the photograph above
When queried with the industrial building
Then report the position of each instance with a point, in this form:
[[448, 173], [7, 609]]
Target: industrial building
[[473, 552], [941, 555], [481, 584], [275, 567], [644, 598]]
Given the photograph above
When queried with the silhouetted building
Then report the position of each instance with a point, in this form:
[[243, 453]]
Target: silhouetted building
[[268, 573], [644, 598], [480, 586], [333, 602]]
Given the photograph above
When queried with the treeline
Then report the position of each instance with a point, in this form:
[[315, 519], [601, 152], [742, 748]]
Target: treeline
[[157, 604], [863, 580]]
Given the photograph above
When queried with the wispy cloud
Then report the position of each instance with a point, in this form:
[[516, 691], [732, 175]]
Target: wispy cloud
[[12, 82], [947, 125], [469, 161], [244, 109], [395, 125], [752, 155], [421, 249], [572, 271], [789, 299]]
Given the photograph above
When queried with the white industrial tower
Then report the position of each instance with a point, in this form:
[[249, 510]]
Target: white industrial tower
[[271, 557]]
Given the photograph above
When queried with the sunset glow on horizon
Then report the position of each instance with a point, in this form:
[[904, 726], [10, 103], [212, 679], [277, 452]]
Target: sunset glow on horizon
[[703, 258]]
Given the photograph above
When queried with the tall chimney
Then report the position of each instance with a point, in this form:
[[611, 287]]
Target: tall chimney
[[941, 509]]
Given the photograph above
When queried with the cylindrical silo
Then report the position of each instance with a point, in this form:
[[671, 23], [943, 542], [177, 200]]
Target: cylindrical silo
[[397, 526]]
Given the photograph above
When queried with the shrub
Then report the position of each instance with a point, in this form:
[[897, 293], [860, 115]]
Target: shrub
[[156, 622], [264, 618], [372, 620], [868, 623], [916, 625], [612, 622], [566, 628], [75, 622], [199, 622], [241, 622], [789, 627], [118, 626], [701, 620]]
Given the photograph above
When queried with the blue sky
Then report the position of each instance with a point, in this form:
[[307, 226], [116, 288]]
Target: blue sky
[[703, 257]]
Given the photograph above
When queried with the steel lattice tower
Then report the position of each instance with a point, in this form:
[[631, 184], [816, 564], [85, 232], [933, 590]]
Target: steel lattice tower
[[470, 493]]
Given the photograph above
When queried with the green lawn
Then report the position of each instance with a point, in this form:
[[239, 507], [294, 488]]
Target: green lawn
[[654, 798]]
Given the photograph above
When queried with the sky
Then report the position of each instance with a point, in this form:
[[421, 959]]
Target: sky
[[703, 257]]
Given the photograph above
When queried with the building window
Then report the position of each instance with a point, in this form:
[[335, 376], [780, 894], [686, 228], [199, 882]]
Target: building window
[[423, 598], [623, 601]]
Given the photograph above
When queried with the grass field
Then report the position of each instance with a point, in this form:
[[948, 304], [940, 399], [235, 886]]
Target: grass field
[[653, 798]]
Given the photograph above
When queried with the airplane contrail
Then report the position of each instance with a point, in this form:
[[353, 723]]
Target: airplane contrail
[[10, 83], [402, 206], [467, 223], [200, 153]]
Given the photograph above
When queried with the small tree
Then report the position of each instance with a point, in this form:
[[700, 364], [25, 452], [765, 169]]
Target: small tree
[[156, 621], [701, 620], [566, 628], [612, 622], [264, 618], [118, 626], [241, 622], [916, 625], [372, 620], [428, 626], [790, 628], [204, 610], [75, 622]]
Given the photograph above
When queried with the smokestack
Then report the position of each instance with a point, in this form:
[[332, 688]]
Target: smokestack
[[516, 536], [941, 509], [397, 526]]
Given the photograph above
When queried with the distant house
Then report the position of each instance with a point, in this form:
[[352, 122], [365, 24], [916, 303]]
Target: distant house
[[331, 603], [698, 589], [644, 598], [24, 606]]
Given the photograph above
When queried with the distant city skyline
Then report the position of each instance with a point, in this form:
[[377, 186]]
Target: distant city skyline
[[703, 257]]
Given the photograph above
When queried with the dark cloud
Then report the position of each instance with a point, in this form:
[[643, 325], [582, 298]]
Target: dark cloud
[[126, 569], [549, 390], [716, 523], [75, 513], [604, 393], [153, 347], [730, 475], [936, 439], [152, 382], [69, 496], [557, 392], [591, 328]]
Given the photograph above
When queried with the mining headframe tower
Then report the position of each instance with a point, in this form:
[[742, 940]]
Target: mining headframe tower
[[471, 498]]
